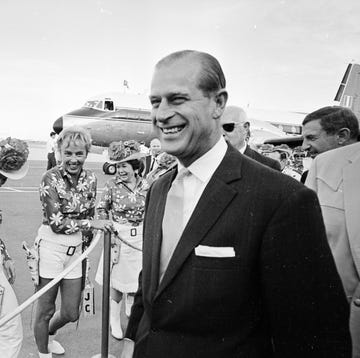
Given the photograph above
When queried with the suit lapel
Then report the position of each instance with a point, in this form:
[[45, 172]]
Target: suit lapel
[[249, 152], [351, 205], [153, 233], [217, 195]]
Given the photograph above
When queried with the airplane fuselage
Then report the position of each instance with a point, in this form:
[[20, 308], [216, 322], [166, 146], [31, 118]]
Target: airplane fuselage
[[109, 126]]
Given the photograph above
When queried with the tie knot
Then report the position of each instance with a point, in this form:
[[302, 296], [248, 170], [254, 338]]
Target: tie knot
[[184, 172]]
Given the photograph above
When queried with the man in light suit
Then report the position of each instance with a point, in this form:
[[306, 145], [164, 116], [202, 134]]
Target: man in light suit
[[247, 271], [335, 176], [328, 128], [236, 127]]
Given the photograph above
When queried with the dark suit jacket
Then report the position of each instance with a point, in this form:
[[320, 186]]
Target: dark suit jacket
[[269, 162], [280, 296], [148, 160]]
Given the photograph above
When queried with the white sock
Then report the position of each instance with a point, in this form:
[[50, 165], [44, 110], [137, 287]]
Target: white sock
[[45, 355]]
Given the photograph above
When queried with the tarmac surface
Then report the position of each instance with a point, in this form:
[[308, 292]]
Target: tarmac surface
[[20, 203]]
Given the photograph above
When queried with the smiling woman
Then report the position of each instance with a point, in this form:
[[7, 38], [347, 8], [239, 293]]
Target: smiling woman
[[123, 200], [67, 194]]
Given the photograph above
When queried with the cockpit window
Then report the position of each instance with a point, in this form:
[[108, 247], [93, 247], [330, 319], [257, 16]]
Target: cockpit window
[[109, 106], [94, 104]]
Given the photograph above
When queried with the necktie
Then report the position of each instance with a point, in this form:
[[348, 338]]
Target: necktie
[[172, 225], [152, 164]]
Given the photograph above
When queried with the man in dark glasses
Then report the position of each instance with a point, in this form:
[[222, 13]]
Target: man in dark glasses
[[236, 130]]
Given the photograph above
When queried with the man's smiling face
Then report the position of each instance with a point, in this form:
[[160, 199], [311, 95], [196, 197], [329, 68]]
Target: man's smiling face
[[183, 117]]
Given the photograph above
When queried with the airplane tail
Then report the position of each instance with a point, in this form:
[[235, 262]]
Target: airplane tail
[[348, 93]]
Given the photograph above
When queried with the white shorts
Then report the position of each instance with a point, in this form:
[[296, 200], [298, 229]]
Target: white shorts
[[54, 260]]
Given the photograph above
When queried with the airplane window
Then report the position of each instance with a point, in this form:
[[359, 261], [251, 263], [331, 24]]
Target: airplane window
[[89, 104], [109, 106], [93, 104], [99, 104]]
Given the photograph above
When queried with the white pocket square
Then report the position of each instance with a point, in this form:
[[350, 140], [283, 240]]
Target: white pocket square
[[213, 251]]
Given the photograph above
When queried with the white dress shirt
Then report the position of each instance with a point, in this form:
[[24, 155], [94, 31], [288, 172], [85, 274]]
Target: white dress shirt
[[201, 172]]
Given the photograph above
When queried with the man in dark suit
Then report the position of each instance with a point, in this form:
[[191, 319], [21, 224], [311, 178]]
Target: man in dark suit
[[236, 127], [246, 271], [151, 160]]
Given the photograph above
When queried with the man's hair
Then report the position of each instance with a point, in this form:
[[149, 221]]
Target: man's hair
[[211, 76], [75, 134], [333, 118]]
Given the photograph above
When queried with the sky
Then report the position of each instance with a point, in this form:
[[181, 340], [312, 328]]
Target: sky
[[276, 54]]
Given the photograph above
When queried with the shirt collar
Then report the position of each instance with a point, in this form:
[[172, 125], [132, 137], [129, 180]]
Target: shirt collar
[[64, 173], [243, 148], [204, 167]]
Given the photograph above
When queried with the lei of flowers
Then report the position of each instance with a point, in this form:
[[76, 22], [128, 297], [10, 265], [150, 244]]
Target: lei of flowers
[[13, 154], [121, 150], [166, 160]]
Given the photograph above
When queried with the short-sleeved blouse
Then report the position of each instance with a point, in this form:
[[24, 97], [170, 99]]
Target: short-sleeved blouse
[[124, 205]]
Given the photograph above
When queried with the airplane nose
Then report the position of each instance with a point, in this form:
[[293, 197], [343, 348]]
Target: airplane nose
[[58, 125]]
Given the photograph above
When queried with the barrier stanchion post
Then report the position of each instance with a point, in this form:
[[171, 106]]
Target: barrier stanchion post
[[105, 300]]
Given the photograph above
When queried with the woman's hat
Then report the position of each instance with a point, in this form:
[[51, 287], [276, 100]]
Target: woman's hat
[[13, 156], [124, 151]]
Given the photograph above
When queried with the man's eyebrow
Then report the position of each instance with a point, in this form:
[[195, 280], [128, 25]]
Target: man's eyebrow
[[173, 94], [169, 94]]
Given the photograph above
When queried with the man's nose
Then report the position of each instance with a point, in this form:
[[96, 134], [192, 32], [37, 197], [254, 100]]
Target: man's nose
[[164, 112], [305, 145]]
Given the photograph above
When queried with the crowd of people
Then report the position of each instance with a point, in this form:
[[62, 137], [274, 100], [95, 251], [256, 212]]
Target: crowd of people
[[218, 249]]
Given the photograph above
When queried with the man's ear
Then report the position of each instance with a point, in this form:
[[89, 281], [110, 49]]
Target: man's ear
[[220, 101], [343, 136]]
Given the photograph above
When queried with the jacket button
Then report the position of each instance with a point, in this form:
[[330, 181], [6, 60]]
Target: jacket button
[[153, 330], [357, 302]]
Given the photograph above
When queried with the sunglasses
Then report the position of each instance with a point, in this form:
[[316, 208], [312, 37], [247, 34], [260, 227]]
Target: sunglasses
[[228, 127]]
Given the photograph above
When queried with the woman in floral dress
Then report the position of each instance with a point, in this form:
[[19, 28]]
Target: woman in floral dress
[[123, 200], [67, 194]]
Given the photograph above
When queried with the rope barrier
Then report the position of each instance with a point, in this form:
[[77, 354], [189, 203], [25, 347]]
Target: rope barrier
[[51, 284]]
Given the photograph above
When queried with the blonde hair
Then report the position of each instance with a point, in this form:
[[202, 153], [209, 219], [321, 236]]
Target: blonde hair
[[76, 135]]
